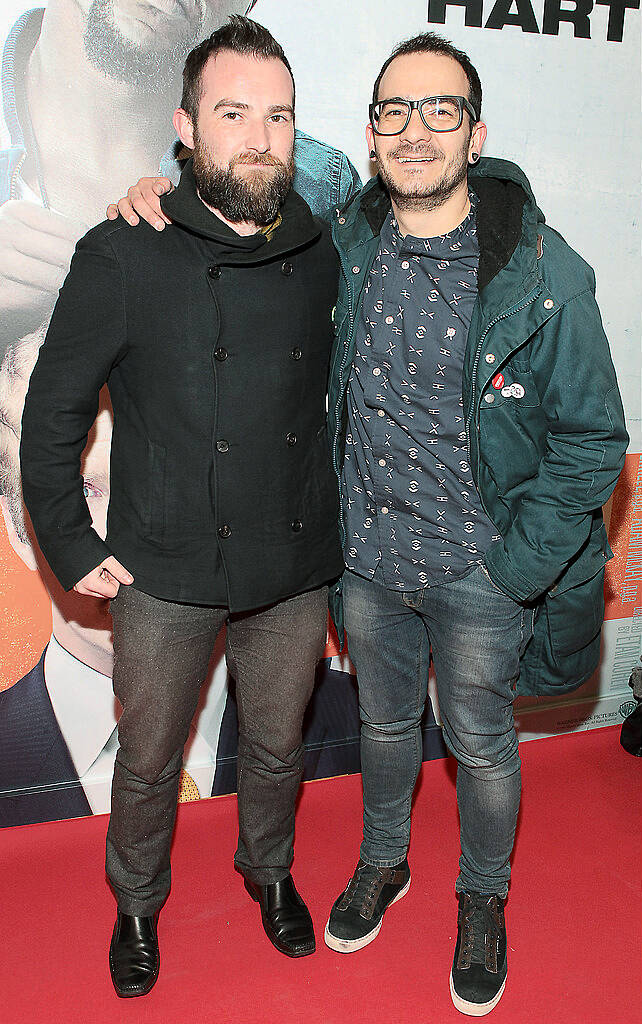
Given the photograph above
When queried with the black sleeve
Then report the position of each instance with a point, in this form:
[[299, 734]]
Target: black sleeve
[[86, 338]]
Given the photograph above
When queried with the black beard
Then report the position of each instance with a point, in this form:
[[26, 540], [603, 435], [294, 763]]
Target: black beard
[[117, 57], [427, 197], [257, 198]]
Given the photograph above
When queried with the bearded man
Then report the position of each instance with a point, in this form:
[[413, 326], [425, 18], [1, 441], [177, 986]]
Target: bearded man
[[218, 392]]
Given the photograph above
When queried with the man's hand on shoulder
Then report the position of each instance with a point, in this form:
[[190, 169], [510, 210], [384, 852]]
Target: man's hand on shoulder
[[143, 199], [105, 579]]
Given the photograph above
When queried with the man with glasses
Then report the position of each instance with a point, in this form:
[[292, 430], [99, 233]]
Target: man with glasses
[[476, 429]]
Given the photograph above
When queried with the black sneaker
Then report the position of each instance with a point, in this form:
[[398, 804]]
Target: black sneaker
[[355, 918], [478, 977]]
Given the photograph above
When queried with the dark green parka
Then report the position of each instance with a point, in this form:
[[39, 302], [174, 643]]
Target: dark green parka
[[545, 463]]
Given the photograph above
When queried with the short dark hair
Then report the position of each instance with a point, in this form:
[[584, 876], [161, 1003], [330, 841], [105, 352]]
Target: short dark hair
[[238, 35], [430, 42]]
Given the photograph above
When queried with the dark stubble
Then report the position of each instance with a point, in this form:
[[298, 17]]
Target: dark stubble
[[421, 196], [255, 197]]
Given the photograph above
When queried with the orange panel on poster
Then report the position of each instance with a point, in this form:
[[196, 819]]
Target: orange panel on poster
[[623, 587], [25, 623], [332, 643]]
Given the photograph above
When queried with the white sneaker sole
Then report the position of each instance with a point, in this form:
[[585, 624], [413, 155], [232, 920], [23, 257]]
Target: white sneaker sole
[[474, 1009], [352, 945]]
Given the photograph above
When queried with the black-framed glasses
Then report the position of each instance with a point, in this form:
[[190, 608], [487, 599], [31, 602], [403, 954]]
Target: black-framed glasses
[[438, 113]]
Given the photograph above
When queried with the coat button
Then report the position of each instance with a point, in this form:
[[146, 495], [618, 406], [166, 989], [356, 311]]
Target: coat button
[[222, 446], [342, 220], [548, 303], [295, 353], [214, 272], [220, 354], [296, 526], [355, 270], [286, 268], [489, 398], [490, 358], [291, 439], [224, 531]]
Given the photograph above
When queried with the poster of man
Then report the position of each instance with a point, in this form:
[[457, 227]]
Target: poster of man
[[88, 96]]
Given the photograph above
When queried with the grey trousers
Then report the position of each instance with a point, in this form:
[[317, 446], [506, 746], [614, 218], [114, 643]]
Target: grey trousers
[[161, 656]]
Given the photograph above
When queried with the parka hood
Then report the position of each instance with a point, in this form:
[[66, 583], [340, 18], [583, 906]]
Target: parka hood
[[507, 213]]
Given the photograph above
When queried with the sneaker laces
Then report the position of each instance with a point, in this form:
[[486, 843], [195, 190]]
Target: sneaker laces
[[481, 930], [364, 887]]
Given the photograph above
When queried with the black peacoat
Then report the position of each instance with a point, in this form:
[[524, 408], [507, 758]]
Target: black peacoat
[[215, 350]]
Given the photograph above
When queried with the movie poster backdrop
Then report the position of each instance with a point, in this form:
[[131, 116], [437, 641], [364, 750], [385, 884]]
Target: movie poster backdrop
[[88, 90]]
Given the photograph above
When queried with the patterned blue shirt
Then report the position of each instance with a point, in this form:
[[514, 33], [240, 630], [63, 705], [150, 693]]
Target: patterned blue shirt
[[411, 509]]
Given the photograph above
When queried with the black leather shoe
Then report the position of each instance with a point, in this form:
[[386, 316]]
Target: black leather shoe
[[286, 919], [134, 959]]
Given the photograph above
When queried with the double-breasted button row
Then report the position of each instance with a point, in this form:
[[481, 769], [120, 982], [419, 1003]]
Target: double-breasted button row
[[216, 271], [223, 446], [221, 354], [225, 531]]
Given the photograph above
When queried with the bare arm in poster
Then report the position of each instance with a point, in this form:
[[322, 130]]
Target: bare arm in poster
[[36, 246]]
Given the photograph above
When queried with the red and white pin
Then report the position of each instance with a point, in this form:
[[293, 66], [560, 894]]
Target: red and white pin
[[498, 381]]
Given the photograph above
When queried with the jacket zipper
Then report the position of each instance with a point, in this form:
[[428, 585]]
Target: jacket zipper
[[335, 454]]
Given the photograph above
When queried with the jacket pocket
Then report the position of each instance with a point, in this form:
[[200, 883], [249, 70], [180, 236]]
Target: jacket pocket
[[575, 616], [157, 469], [575, 605], [526, 396]]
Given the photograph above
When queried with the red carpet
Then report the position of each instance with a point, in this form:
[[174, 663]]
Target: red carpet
[[573, 914]]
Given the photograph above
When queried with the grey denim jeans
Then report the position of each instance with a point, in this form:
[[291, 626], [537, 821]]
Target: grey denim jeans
[[161, 656], [477, 635]]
